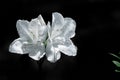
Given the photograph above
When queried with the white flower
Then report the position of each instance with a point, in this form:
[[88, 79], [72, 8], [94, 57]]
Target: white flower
[[59, 35], [32, 36], [38, 39]]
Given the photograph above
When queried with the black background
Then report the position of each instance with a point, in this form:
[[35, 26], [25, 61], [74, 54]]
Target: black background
[[97, 35]]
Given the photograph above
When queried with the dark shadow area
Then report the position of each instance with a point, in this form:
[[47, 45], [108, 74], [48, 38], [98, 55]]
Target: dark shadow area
[[97, 35]]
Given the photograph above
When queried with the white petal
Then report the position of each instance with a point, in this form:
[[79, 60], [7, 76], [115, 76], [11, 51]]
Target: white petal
[[42, 30], [52, 53], [62, 26], [17, 46], [41, 20], [36, 51], [37, 56], [38, 29], [42, 33], [22, 28], [57, 20], [57, 24], [68, 48], [49, 31], [60, 40], [33, 29], [69, 28]]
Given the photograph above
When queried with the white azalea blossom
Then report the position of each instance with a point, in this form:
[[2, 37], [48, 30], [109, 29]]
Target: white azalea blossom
[[38, 39], [59, 34], [32, 36]]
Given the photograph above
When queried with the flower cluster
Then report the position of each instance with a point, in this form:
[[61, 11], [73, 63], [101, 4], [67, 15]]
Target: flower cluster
[[38, 38]]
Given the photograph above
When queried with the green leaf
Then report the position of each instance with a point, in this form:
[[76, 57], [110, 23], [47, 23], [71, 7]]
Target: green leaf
[[116, 63], [117, 70], [115, 56]]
